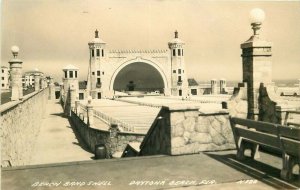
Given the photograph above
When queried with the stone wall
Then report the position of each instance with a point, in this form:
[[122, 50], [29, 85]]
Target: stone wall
[[20, 125], [185, 130], [192, 132], [273, 108], [114, 141], [267, 107], [238, 105]]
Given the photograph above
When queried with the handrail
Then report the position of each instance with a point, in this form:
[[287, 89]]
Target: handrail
[[123, 126]]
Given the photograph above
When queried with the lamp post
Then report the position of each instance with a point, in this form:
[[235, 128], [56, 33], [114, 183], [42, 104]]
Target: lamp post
[[16, 75], [257, 63]]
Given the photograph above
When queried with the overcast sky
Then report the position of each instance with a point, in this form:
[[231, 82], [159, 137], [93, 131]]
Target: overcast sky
[[54, 33]]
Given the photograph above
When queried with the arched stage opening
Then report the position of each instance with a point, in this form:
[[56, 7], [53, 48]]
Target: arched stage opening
[[139, 76]]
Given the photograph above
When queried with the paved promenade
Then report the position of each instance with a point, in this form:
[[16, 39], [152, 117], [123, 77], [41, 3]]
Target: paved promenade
[[57, 141], [158, 172]]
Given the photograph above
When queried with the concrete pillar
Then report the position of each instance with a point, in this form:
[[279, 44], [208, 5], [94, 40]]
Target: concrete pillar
[[214, 87], [114, 130], [43, 83], [90, 112], [222, 86], [37, 82], [16, 75], [76, 105], [61, 87], [72, 96], [51, 89], [257, 64]]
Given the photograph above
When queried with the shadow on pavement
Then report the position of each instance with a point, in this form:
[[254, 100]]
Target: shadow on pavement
[[80, 142], [60, 114], [263, 172]]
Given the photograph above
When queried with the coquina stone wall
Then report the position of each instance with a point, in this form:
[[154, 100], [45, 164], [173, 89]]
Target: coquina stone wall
[[187, 131], [193, 132], [114, 140], [20, 125], [238, 105], [273, 108]]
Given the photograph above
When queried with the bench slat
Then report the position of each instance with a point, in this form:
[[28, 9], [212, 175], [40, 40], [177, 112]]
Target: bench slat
[[292, 123], [259, 137], [258, 125], [289, 132], [291, 147]]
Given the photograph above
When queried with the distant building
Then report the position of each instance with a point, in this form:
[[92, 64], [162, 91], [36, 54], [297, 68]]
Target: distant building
[[4, 78], [194, 88], [82, 94], [165, 67], [28, 78]]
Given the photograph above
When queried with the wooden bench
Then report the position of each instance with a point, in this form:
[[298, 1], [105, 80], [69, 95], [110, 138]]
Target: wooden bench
[[287, 118], [249, 134]]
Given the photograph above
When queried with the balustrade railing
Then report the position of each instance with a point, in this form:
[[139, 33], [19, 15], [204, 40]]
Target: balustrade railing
[[82, 111], [110, 120]]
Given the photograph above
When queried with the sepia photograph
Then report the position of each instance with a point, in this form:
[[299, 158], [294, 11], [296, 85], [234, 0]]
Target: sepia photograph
[[150, 94]]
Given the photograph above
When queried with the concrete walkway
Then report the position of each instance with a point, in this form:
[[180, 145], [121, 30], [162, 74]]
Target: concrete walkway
[[208, 171], [57, 141]]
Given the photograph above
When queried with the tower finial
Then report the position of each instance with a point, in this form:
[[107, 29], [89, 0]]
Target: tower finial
[[176, 34], [96, 34]]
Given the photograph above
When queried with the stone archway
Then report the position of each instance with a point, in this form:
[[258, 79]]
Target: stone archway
[[145, 74]]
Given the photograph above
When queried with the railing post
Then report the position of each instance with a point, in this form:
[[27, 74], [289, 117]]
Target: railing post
[[90, 113], [51, 89], [76, 106], [114, 130], [36, 82]]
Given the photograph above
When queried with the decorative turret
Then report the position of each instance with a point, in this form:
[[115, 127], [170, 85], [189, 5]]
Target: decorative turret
[[214, 87], [222, 86], [70, 78], [179, 82], [95, 72]]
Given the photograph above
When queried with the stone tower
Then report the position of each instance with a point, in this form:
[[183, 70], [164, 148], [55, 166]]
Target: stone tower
[[16, 75], [95, 71], [70, 79], [257, 64], [214, 87], [179, 84], [222, 86]]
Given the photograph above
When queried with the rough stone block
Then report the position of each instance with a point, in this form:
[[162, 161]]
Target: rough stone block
[[217, 126], [202, 125], [201, 138], [190, 114], [189, 124], [177, 142], [222, 119], [177, 130], [177, 117], [186, 136]]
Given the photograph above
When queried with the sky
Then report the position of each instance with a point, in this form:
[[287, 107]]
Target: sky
[[54, 33]]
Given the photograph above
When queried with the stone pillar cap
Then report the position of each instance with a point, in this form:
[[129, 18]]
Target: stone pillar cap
[[15, 61]]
